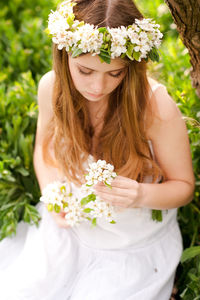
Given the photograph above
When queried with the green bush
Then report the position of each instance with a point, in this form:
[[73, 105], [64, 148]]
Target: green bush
[[25, 57], [19, 189]]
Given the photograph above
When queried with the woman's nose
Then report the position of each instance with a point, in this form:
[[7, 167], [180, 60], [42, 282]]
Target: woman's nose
[[98, 85]]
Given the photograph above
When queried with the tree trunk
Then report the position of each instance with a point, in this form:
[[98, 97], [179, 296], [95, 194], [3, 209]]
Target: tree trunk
[[186, 15]]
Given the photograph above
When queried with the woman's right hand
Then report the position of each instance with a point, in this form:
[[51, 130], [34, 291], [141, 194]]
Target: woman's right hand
[[60, 220]]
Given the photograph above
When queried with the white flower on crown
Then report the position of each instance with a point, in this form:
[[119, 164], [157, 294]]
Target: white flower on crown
[[57, 23], [72, 34], [66, 8], [133, 36], [118, 39], [88, 38], [146, 24]]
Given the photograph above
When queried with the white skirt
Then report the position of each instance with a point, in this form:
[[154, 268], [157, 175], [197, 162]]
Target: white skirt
[[52, 263]]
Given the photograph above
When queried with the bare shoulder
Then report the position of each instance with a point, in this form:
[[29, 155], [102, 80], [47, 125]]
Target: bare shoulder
[[45, 93], [47, 79], [45, 90], [163, 106]]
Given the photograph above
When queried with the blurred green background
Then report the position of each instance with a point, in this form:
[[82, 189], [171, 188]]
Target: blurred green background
[[25, 55]]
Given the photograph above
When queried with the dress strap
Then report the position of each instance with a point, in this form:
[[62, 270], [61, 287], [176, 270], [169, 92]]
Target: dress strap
[[151, 149]]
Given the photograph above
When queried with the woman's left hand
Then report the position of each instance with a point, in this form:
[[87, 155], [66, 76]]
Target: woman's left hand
[[125, 192]]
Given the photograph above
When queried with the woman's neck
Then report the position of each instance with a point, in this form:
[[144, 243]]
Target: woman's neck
[[97, 112]]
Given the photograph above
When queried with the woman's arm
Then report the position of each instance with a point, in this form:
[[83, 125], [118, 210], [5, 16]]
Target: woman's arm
[[170, 141], [172, 151], [45, 173]]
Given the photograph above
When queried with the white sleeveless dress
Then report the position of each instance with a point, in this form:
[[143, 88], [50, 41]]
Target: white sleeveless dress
[[134, 259]]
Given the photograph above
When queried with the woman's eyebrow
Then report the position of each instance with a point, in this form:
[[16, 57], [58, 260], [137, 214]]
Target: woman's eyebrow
[[95, 70]]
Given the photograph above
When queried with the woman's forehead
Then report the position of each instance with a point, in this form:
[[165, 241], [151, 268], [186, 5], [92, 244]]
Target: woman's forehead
[[94, 63]]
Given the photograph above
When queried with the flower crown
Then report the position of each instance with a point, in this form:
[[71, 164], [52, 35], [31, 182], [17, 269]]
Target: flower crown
[[136, 41]]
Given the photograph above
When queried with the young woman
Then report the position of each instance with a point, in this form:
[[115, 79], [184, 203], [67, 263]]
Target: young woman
[[98, 103]]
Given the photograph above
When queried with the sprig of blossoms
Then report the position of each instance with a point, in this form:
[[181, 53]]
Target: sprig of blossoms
[[58, 197], [137, 41], [100, 171]]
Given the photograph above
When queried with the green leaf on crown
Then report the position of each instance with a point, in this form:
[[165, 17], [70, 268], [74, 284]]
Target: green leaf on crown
[[70, 19], [136, 55], [104, 56], [129, 51], [102, 29], [153, 55], [76, 52], [47, 31]]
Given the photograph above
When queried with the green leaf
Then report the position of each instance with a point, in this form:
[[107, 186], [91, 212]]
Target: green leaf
[[157, 215], [190, 253], [88, 210], [136, 55], [57, 208], [112, 222], [63, 189], [22, 171], [92, 197], [104, 56], [70, 19], [65, 204], [85, 200], [129, 51], [76, 52], [50, 207], [31, 214], [47, 31], [94, 221], [102, 29], [153, 55]]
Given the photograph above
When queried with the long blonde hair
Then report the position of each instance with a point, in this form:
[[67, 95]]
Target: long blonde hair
[[122, 140]]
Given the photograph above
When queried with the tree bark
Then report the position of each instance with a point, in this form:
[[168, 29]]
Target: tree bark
[[186, 15]]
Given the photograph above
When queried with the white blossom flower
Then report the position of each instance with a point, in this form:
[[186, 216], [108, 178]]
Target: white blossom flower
[[55, 193], [69, 33], [57, 23], [58, 196], [100, 171]]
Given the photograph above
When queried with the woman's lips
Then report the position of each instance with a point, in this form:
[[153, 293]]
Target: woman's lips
[[95, 95]]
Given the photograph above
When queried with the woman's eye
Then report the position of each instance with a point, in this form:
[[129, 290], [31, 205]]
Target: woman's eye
[[116, 75], [85, 73]]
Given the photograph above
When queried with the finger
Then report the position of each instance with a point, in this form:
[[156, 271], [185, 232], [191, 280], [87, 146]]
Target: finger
[[115, 200], [114, 191], [124, 182]]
